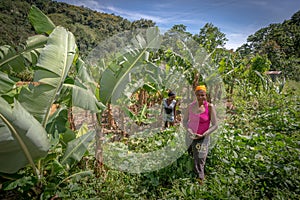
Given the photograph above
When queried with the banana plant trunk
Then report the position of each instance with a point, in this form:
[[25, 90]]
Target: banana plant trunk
[[110, 119], [99, 145], [71, 119], [196, 80]]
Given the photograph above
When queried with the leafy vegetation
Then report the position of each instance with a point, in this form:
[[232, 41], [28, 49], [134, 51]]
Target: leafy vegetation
[[255, 153]]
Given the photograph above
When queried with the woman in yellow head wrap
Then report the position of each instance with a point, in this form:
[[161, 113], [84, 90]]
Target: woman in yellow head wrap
[[200, 121], [201, 87]]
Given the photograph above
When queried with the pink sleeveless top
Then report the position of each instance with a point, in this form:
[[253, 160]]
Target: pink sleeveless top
[[199, 123]]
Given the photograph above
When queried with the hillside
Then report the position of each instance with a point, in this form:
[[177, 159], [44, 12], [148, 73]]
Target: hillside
[[88, 26]]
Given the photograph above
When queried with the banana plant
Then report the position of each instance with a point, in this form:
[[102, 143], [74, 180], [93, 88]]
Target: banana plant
[[82, 90], [23, 138], [23, 122], [32, 105], [117, 74], [141, 117], [52, 68], [6, 83]]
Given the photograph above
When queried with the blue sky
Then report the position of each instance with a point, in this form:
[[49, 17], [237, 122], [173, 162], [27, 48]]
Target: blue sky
[[236, 18]]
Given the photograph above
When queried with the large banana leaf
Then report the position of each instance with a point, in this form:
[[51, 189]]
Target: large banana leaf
[[22, 138], [10, 59], [84, 98], [84, 89], [40, 22], [117, 75], [54, 63], [84, 73], [81, 91], [77, 148]]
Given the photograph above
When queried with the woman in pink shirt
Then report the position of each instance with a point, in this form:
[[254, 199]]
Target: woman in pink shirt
[[200, 121]]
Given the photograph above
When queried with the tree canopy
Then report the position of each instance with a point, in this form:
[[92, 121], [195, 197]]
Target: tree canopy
[[280, 42]]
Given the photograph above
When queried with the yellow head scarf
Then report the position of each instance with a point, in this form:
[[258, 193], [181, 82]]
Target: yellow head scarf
[[201, 87]]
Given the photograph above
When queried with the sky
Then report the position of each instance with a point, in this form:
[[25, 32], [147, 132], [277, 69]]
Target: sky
[[237, 19]]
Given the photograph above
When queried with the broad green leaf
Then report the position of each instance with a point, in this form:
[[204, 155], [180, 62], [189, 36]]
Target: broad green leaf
[[40, 22], [6, 84], [76, 148], [117, 75], [10, 59], [84, 89], [82, 72], [68, 136], [34, 45], [54, 63], [107, 83], [22, 138], [153, 38], [84, 98], [78, 176]]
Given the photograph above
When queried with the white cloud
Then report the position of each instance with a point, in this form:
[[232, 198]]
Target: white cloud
[[235, 40], [132, 15], [88, 3], [258, 3]]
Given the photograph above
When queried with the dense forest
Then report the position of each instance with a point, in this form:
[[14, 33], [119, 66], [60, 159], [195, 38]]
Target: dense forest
[[75, 129]]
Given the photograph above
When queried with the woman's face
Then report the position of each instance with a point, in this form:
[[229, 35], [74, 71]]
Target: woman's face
[[200, 95]]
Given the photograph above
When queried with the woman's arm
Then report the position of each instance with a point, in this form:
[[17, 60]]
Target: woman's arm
[[213, 119], [185, 124], [186, 118]]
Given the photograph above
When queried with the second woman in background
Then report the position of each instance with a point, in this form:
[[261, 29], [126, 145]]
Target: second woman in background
[[169, 109]]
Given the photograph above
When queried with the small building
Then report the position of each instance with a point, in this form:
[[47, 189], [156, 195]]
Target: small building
[[274, 74]]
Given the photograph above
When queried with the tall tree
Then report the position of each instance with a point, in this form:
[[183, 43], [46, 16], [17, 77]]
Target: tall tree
[[142, 23], [259, 65], [180, 28], [280, 42], [210, 37], [295, 19]]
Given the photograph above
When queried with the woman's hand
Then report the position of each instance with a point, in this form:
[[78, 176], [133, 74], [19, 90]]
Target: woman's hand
[[190, 132], [193, 135], [200, 136], [196, 136]]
